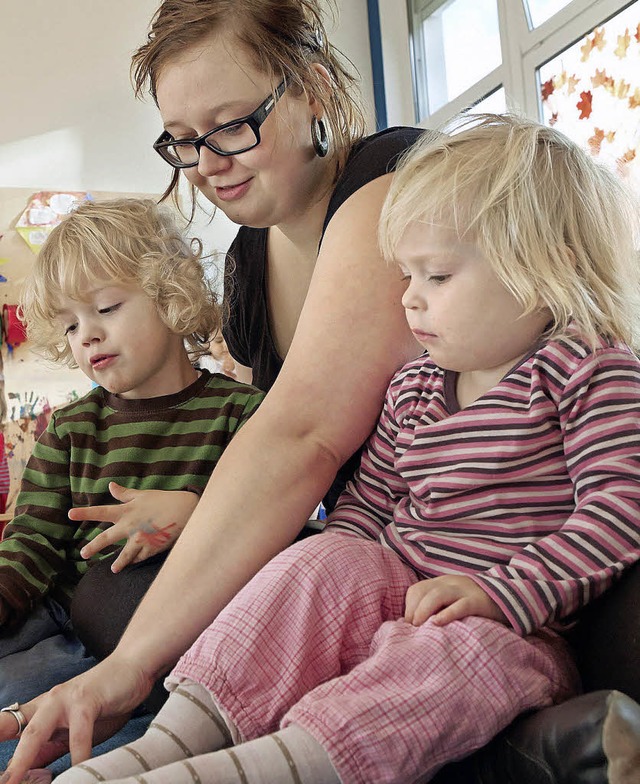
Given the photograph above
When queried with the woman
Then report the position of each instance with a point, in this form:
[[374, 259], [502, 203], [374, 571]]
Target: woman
[[330, 305]]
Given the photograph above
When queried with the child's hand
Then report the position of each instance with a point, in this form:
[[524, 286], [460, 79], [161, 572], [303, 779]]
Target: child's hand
[[449, 598], [150, 521]]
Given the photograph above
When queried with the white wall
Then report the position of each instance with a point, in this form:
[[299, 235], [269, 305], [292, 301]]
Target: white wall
[[351, 36], [396, 58], [69, 118]]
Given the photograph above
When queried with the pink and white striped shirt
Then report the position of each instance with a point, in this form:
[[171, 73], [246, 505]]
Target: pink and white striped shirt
[[533, 490]]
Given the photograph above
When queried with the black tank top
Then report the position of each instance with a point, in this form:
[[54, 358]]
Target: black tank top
[[247, 330]]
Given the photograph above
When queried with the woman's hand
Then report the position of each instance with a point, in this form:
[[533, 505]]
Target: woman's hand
[[75, 716], [150, 521], [450, 597]]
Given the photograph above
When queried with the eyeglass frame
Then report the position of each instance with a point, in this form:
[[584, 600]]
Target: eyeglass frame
[[253, 120]]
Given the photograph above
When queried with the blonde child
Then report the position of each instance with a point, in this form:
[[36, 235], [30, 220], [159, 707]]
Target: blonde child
[[117, 292], [498, 495]]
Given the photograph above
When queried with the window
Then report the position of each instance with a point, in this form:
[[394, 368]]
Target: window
[[591, 92], [541, 10], [574, 64], [464, 51], [448, 34], [495, 102]]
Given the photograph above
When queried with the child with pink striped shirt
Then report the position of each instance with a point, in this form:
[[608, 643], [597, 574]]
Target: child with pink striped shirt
[[498, 495]]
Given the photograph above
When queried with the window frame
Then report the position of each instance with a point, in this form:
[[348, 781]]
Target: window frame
[[524, 51]]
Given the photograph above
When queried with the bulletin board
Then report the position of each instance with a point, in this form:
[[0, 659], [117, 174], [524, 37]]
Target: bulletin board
[[30, 387]]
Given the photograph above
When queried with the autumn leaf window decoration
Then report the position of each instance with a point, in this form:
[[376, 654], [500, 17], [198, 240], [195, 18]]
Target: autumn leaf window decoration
[[591, 92]]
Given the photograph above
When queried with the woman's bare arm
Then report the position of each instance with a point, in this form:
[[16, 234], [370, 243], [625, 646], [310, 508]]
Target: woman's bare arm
[[351, 337]]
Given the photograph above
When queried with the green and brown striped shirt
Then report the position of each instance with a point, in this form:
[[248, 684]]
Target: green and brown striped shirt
[[164, 443]]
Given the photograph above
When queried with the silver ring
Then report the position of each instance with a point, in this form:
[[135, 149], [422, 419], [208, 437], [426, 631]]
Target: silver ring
[[18, 715]]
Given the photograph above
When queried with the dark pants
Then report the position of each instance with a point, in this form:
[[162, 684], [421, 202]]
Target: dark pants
[[103, 604], [41, 653]]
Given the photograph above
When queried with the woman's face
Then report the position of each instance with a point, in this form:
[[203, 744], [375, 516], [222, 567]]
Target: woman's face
[[214, 83]]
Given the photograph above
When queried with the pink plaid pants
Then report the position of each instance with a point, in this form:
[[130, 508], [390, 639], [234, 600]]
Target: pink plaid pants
[[317, 639]]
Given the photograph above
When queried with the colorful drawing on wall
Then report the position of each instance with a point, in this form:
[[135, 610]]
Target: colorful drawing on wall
[[3, 399], [29, 407], [44, 211], [14, 331], [26, 415]]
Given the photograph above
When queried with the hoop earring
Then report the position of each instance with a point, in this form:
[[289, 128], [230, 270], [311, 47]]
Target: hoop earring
[[319, 137]]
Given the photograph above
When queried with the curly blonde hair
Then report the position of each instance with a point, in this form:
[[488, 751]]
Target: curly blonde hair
[[283, 37], [133, 242], [558, 228]]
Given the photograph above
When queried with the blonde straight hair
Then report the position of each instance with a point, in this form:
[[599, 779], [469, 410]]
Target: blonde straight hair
[[558, 228]]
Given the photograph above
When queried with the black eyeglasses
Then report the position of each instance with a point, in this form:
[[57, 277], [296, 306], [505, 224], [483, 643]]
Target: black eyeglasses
[[232, 138]]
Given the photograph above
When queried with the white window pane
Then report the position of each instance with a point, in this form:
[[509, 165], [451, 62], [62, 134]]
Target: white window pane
[[461, 44], [541, 10], [494, 103], [591, 92]]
